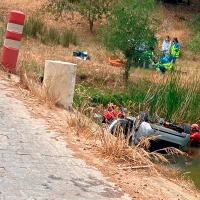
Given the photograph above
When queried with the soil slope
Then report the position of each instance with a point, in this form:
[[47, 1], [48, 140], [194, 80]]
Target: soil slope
[[141, 184]]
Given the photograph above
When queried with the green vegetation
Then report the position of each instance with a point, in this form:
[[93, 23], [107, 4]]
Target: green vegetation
[[51, 36], [129, 25], [36, 28], [91, 10], [173, 97], [67, 37], [2, 34], [130, 29], [194, 43], [33, 27]]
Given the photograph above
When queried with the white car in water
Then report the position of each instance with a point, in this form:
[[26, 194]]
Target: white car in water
[[167, 134]]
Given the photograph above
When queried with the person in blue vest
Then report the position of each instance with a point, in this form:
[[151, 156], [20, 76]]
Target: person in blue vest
[[175, 49], [165, 63]]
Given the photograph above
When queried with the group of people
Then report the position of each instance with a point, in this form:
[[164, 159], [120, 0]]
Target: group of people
[[170, 52], [113, 112]]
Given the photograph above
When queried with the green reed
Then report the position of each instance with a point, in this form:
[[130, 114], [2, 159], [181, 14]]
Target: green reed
[[175, 97]]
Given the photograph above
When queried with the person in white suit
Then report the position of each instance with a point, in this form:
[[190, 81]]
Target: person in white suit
[[166, 46]]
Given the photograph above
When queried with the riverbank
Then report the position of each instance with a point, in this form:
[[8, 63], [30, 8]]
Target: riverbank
[[140, 183]]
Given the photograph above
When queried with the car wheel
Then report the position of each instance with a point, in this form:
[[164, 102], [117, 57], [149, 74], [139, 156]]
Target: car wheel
[[161, 121], [186, 128], [144, 116]]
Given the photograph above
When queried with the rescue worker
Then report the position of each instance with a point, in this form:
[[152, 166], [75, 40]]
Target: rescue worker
[[166, 46], [109, 114], [175, 49], [164, 63], [194, 128], [147, 59], [195, 135]]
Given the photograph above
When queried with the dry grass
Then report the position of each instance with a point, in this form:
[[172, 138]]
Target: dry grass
[[172, 24], [32, 85], [118, 149], [114, 148]]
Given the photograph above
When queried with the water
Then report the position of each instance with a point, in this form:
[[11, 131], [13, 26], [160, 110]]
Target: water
[[189, 164]]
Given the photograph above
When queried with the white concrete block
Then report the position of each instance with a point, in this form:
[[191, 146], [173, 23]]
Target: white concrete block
[[59, 80]]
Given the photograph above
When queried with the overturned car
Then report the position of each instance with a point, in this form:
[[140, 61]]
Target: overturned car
[[167, 133]]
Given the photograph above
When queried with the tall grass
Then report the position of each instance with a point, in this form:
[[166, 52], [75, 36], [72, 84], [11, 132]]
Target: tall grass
[[36, 28], [31, 69], [68, 37], [33, 27], [30, 73], [51, 36], [175, 97], [117, 149], [2, 35], [193, 43]]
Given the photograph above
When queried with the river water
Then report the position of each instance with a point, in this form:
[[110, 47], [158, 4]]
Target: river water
[[189, 165]]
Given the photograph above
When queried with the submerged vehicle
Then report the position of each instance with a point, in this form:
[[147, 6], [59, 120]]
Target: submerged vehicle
[[167, 133]]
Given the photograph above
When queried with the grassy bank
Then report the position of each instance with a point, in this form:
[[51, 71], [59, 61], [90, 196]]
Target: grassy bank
[[173, 96]]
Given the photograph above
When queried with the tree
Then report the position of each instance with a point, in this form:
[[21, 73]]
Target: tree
[[130, 29], [91, 10]]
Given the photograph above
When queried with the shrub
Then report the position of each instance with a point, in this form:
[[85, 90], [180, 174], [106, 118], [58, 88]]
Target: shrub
[[33, 26], [2, 35], [36, 28], [193, 44], [67, 37], [50, 36], [195, 23]]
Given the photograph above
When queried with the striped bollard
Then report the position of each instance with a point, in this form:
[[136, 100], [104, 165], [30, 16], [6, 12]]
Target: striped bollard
[[12, 40]]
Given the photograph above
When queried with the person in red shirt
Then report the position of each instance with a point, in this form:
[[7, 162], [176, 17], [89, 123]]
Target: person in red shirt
[[195, 135], [109, 114]]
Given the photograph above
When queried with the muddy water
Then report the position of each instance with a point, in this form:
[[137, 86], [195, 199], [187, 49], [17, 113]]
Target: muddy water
[[189, 165]]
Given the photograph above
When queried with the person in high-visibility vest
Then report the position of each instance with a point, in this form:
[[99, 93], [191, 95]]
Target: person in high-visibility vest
[[147, 59], [164, 63], [175, 49]]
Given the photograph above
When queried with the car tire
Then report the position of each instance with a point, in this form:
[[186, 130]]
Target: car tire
[[161, 121], [186, 128], [144, 116]]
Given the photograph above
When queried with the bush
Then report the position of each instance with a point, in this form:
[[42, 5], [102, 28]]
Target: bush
[[33, 26], [67, 37], [2, 35], [193, 44], [50, 36], [36, 28], [195, 23]]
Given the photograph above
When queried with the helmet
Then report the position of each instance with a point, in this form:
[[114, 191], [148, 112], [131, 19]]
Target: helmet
[[111, 105], [194, 127]]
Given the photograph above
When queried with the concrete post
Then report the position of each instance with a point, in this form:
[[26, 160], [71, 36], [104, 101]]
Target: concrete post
[[59, 81]]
